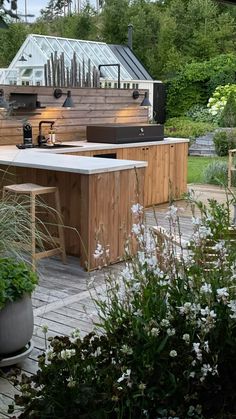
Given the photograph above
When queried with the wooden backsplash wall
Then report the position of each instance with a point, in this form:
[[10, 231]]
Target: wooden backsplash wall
[[92, 107]]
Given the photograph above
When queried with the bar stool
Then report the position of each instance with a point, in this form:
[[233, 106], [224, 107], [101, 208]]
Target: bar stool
[[34, 190]]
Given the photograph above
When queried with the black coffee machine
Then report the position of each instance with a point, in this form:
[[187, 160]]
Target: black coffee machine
[[27, 136]]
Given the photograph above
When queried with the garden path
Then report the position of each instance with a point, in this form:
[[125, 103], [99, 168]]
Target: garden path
[[63, 302]]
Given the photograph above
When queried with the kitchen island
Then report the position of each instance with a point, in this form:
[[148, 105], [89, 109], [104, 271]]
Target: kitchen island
[[166, 174], [96, 196], [97, 193]]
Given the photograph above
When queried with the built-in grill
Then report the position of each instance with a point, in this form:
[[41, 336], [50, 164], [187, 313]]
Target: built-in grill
[[121, 134]]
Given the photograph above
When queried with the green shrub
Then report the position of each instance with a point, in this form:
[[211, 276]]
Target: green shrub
[[186, 128], [228, 115], [224, 141], [216, 173], [200, 113], [169, 335], [16, 279], [196, 82]]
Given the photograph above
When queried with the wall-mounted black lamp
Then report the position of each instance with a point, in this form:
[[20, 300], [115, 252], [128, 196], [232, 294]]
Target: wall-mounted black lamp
[[68, 103], [22, 58], [111, 65], [145, 101]]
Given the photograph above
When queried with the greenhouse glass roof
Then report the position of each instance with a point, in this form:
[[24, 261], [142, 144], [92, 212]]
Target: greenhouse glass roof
[[97, 52]]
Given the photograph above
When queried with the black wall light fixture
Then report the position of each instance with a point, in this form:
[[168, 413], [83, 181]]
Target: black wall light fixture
[[22, 58], [111, 65], [145, 101], [68, 103]]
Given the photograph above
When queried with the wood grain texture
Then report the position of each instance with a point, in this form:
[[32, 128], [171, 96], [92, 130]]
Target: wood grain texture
[[92, 107], [95, 208], [166, 173]]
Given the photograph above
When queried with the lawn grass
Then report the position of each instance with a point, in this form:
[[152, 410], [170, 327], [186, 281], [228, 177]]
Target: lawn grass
[[196, 166]]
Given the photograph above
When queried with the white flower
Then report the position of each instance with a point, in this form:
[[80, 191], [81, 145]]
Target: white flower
[[71, 382], [186, 337], [165, 323], [173, 353], [197, 350], [196, 221], [204, 232], [206, 368], [75, 334], [232, 306], [206, 289], [97, 352], [137, 209], [98, 252], [125, 349], [222, 294], [125, 376], [206, 346], [136, 229], [172, 213], [67, 353], [154, 331], [170, 332]]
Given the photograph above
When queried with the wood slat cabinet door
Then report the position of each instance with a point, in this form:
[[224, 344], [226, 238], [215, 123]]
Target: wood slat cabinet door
[[156, 184], [178, 169]]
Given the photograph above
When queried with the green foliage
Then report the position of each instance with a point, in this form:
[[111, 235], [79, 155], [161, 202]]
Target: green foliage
[[224, 141], [196, 82], [115, 20], [16, 279], [218, 101], [200, 114], [169, 335], [228, 115], [216, 173], [186, 128], [11, 40]]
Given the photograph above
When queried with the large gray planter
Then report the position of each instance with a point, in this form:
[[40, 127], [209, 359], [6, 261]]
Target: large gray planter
[[16, 325]]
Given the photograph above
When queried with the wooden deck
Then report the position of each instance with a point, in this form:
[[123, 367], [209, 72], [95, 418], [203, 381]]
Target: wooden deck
[[63, 302]]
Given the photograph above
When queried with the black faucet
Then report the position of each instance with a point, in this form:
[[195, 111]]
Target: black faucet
[[41, 137]]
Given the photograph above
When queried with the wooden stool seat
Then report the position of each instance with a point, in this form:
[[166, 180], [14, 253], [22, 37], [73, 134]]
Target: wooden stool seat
[[33, 190]]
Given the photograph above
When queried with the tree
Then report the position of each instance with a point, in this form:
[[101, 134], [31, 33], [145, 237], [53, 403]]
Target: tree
[[11, 40], [7, 12], [115, 20]]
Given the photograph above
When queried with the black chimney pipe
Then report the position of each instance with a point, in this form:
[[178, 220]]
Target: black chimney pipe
[[130, 36]]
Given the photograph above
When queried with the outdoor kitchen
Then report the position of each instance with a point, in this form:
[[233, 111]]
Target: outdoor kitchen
[[104, 143]]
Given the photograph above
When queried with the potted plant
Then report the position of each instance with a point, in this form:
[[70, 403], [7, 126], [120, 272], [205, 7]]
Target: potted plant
[[17, 281]]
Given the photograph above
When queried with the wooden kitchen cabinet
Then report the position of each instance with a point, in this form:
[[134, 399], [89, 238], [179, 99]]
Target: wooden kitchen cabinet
[[166, 174]]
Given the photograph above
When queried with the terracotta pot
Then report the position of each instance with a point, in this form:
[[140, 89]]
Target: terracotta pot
[[16, 325]]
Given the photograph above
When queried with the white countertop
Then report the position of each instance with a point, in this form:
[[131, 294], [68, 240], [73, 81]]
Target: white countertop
[[34, 158], [53, 159], [87, 146]]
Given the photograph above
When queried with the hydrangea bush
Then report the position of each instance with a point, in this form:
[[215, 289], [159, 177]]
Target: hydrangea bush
[[168, 341], [217, 102]]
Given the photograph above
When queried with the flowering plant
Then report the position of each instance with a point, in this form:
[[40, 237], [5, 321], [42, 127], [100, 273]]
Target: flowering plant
[[169, 333], [217, 102]]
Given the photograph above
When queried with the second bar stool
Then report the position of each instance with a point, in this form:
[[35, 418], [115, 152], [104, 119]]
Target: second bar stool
[[33, 190]]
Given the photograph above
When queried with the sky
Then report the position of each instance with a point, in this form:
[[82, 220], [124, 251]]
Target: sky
[[34, 6]]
